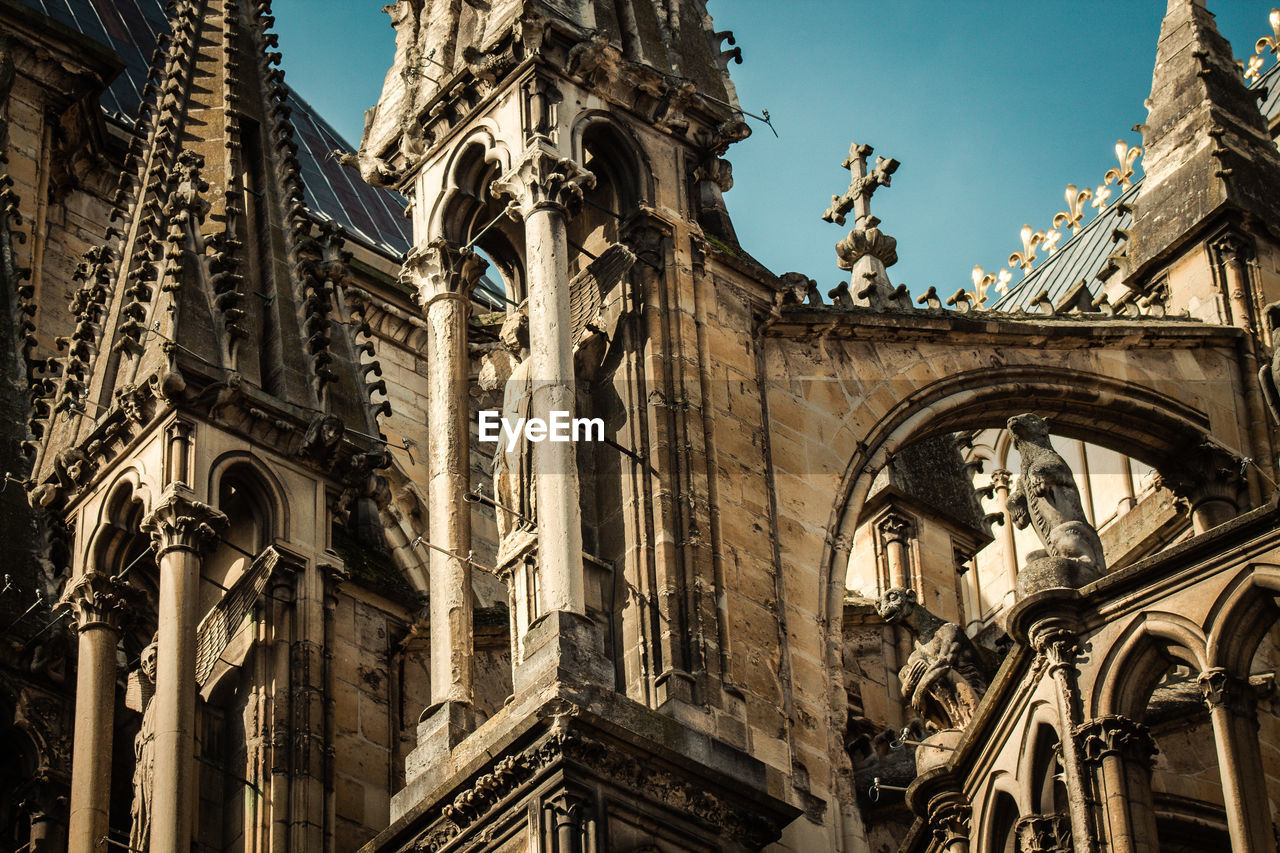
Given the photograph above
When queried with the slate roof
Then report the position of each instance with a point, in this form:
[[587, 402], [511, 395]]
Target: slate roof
[[1086, 253], [132, 27]]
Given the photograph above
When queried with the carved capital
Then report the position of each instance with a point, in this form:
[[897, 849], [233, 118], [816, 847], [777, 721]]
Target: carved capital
[[1056, 643], [180, 523], [440, 268], [1206, 473], [1221, 689], [544, 179], [896, 528], [1233, 248], [1115, 735], [100, 601], [1002, 479], [1043, 834], [950, 816]]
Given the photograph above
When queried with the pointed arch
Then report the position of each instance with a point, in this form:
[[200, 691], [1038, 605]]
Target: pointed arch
[[1127, 416], [1241, 617], [1151, 643], [615, 156], [262, 486]]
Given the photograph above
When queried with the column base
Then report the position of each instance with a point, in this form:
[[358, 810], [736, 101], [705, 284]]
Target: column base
[[562, 647], [441, 728]]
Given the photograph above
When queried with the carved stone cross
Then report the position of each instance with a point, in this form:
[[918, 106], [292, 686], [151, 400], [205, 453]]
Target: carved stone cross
[[858, 197]]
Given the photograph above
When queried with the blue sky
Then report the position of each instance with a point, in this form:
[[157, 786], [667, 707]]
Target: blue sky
[[992, 106]]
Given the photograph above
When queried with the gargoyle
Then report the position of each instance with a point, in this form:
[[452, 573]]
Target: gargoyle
[[944, 677]]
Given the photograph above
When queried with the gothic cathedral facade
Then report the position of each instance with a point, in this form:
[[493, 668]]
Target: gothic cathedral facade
[[858, 571]]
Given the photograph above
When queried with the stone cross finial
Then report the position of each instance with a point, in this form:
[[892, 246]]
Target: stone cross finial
[[863, 185]]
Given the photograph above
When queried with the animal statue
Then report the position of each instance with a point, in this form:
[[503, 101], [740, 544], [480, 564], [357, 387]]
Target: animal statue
[[1048, 500], [944, 677]]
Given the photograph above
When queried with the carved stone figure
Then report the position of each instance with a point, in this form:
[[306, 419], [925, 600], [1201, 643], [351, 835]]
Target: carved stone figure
[[1048, 500], [944, 677], [512, 469], [141, 690], [322, 437]]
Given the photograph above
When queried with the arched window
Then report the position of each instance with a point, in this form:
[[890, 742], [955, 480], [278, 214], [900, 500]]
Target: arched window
[[245, 499], [1001, 837], [1048, 793]]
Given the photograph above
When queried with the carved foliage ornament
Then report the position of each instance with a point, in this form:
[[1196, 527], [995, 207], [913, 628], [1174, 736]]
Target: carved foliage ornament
[[1044, 834], [1222, 689], [180, 523], [439, 268], [1116, 735], [99, 600], [509, 773], [544, 179]]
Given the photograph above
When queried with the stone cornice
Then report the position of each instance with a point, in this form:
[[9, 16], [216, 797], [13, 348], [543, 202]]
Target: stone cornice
[[1057, 331], [554, 735]]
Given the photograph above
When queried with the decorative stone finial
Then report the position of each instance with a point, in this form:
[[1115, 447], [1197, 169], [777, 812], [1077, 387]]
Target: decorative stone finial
[[866, 251]]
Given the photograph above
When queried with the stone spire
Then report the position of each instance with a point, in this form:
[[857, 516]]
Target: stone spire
[[212, 289], [1208, 153]]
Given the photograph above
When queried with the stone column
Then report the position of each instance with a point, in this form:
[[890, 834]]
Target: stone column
[[100, 604], [895, 532], [1001, 480], [45, 804], [949, 817], [1244, 791], [546, 188], [443, 277], [1121, 754], [1055, 641], [180, 528], [1210, 480], [1233, 252]]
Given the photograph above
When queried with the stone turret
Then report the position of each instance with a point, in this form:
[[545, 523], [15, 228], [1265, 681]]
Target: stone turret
[[1209, 158], [662, 62]]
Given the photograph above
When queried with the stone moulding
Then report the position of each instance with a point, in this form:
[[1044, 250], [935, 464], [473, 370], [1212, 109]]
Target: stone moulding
[[571, 753]]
